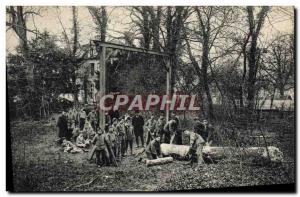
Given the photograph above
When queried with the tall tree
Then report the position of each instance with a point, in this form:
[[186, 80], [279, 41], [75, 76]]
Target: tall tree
[[211, 22], [99, 15], [155, 22], [17, 18], [279, 63], [74, 52], [175, 18], [255, 24]]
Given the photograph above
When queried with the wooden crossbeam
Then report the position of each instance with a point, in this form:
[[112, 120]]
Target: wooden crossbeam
[[129, 48]]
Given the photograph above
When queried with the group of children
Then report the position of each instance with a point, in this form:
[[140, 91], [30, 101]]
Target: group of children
[[113, 143], [76, 129]]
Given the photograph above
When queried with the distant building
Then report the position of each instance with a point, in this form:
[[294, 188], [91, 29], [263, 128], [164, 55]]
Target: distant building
[[282, 103], [88, 79]]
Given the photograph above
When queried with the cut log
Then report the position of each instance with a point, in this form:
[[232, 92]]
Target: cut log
[[216, 153], [172, 149], [159, 161]]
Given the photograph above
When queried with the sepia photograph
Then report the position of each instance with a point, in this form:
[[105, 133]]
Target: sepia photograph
[[150, 98]]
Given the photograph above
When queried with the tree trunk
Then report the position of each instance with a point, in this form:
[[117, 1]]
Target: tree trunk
[[252, 74], [217, 153], [100, 18], [281, 90], [255, 26], [155, 25], [244, 71], [145, 42], [104, 23], [205, 62], [18, 24]]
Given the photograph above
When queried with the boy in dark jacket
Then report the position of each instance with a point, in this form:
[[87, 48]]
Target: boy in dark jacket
[[62, 125], [153, 149], [138, 123]]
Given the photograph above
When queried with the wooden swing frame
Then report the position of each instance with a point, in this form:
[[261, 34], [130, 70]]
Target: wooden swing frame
[[102, 46]]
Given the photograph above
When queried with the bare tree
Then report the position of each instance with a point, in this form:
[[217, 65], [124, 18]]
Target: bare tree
[[17, 17], [99, 15], [279, 63], [140, 16], [211, 21], [75, 53], [155, 22], [255, 25]]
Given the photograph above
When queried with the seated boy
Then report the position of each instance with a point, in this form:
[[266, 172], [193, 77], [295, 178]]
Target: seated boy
[[153, 149]]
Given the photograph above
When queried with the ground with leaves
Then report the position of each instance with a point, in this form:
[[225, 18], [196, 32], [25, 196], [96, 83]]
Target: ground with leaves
[[39, 164]]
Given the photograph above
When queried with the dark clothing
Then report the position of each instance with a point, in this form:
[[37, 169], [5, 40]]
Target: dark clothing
[[198, 126], [170, 130], [114, 114], [62, 124], [139, 133], [177, 122], [178, 138], [120, 145], [69, 134], [204, 131], [138, 123], [153, 148], [129, 144], [81, 123], [178, 133], [151, 156], [196, 146], [108, 120], [102, 157], [159, 129]]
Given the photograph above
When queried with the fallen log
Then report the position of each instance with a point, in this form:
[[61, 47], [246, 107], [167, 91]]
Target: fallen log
[[159, 161], [273, 154]]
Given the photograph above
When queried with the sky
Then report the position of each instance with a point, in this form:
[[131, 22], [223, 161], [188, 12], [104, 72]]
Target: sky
[[280, 19]]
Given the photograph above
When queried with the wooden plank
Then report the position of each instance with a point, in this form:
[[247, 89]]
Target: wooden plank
[[102, 85]]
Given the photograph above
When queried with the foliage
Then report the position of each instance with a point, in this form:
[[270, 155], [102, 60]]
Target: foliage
[[52, 75]]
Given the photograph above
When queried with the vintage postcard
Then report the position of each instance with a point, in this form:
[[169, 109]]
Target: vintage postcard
[[150, 98]]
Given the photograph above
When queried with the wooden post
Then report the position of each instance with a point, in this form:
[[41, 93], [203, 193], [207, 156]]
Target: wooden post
[[169, 88], [102, 85]]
